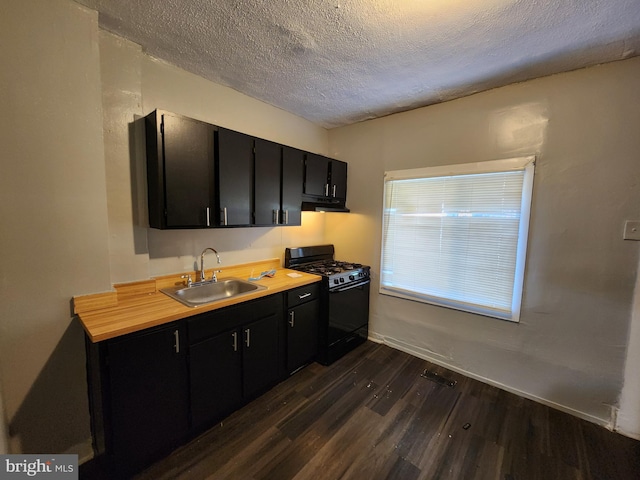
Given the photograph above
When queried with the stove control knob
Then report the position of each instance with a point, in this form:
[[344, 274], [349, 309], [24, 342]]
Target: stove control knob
[[352, 277], [341, 279], [335, 281]]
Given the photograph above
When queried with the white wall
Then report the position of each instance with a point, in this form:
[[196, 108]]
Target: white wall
[[569, 348]]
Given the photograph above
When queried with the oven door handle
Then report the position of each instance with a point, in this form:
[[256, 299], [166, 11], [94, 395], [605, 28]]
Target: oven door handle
[[349, 287]]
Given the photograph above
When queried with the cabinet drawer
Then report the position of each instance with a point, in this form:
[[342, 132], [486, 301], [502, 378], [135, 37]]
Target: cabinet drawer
[[303, 294], [212, 323]]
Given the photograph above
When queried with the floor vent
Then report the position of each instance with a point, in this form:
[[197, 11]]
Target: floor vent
[[434, 377]]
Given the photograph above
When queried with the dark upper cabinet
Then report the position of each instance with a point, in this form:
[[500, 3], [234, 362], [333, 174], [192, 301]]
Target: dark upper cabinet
[[338, 180], [292, 180], [234, 170], [277, 184], [200, 175], [144, 395], [180, 171], [325, 177], [316, 175], [268, 170]]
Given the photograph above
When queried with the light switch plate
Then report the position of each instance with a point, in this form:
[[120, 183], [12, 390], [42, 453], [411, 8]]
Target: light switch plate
[[631, 230]]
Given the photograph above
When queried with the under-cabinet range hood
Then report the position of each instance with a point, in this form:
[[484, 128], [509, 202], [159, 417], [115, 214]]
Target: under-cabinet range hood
[[318, 206]]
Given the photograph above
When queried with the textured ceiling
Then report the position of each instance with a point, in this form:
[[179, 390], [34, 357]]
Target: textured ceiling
[[343, 61]]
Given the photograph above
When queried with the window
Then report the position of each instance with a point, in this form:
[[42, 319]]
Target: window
[[456, 235]]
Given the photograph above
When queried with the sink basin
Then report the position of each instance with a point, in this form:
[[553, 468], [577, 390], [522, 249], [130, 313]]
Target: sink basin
[[211, 292]]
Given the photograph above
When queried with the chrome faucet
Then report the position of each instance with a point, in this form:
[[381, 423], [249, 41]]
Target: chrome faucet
[[213, 277]]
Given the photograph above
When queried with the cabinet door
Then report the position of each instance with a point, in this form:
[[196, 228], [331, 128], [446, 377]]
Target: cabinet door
[[180, 171], [216, 378], [260, 354], [235, 171], [292, 180], [338, 184], [316, 175], [267, 182], [148, 396], [302, 334]]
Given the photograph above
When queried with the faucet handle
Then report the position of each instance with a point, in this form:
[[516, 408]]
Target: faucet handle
[[214, 277], [188, 277]]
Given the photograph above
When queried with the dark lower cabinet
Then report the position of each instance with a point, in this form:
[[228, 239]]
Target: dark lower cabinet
[[303, 311], [216, 377], [231, 367], [140, 404], [151, 391]]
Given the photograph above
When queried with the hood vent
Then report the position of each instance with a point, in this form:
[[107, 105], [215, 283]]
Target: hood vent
[[320, 206]]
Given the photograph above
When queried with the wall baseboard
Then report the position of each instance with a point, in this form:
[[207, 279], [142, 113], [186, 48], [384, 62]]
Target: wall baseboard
[[84, 450], [608, 423]]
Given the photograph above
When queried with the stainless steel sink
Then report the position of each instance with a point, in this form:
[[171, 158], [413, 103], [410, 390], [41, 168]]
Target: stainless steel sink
[[211, 292]]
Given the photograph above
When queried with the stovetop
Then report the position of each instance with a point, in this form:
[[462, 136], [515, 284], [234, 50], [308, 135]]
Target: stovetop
[[328, 267], [319, 260]]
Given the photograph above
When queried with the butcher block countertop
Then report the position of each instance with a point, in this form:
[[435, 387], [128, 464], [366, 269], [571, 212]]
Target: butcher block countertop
[[139, 305]]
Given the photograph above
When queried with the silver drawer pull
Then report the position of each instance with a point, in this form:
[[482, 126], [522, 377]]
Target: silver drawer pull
[[235, 341], [304, 295], [176, 336], [292, 315]]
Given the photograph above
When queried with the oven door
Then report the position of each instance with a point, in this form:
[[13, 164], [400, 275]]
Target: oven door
[[348, 310]]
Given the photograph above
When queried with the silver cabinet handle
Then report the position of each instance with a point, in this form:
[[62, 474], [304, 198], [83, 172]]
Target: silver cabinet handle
[[326, 190], [176, 336], [224, 215], [333, 191], [234, 335], [304, 295], [275, 217], [247, 331], [208, 217], [286, 217], [292, 318]]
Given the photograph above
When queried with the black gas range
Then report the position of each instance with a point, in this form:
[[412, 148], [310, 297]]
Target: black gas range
[[344, 311]]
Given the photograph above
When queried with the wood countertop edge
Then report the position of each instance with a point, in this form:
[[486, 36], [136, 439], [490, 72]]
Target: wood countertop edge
[[150, 308]]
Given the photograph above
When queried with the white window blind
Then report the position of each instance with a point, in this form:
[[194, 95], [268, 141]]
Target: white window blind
[[456, 236]]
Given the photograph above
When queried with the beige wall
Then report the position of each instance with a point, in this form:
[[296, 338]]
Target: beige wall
[[72, 185], [54, 234], [72, 194], [569, 348], [135, 84]]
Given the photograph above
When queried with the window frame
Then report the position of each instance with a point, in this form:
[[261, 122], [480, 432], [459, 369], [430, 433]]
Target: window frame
[[525, 164]]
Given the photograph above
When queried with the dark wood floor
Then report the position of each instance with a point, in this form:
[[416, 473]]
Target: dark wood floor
[[373, 416]]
